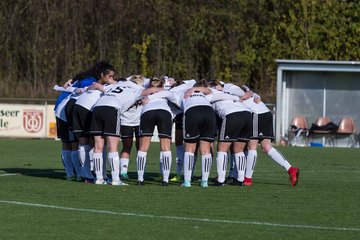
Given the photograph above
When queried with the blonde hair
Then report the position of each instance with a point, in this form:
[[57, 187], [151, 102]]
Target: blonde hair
[[138, 79], [156, 82]]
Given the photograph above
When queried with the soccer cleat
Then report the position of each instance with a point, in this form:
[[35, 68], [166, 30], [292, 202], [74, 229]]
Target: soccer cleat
[[248, 181], [124, 176], [90, 181], [108, 180], [294, 175], [186, 184], [219, 184], [214, 180], [204, 183], [165, 184], [176, 178], [140, 183], [101, 182], [119, 183], [73, 178], [237, 183], [230, 180]]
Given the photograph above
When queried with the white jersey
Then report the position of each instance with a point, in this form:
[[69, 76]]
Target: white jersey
[[179, 93], [120, 96], [131, 116], [146, 82], [233, 89], [88, 98], [195, 99], [256, 107], [226, 105], [60, 110], [160, 100]]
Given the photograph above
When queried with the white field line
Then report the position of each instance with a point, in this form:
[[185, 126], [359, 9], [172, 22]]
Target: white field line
[[8, 174], [180, 218]]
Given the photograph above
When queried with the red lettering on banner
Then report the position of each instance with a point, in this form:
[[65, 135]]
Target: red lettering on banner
[[33, 120]]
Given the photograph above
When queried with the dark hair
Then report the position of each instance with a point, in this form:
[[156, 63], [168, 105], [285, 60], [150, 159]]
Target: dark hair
[[214, 83], [201, 83], [156, 82], [121, 79], [95, 71], [178, 82]]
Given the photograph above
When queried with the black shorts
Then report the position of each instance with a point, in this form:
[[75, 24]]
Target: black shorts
[[63, 131], [178, 120], [160, 118], [199, 124], [81, 120], [69, 108], [105, 121], [129, 131], [236, 127], [262, 126]]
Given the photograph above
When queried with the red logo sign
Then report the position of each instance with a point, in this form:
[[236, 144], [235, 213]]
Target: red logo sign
[[33, 120]]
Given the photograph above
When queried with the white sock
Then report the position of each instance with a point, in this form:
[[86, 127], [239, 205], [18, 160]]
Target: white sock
[[98, 165], [188, 165], [250, 163], [221, 165], [84, 156], [240, 161], [166, 160], [140, 164], [179, 158], [66, 159], [279, 158], [76, 163], [206, 161], [124, 164], [114, 161], [91, 157]]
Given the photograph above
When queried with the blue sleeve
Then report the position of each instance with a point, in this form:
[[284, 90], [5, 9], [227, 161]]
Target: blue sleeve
[[61, 97], [86, 82]]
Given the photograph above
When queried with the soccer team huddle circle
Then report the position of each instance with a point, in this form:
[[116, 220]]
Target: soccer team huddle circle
[[95, 110]]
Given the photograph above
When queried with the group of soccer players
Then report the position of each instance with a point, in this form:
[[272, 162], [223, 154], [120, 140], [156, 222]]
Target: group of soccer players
[[94, 111]]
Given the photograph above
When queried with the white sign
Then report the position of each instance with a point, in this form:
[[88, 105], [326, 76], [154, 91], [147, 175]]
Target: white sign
[[21, 120]]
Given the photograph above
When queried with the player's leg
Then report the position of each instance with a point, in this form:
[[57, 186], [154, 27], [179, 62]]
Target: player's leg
[[98, 159], [276, 156], [142, 157], [166, 158], [240, 161], [221, 161], [206, 161]]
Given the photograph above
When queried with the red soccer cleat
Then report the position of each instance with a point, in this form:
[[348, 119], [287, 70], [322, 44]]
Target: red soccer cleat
[[294, 175], [248, 181]]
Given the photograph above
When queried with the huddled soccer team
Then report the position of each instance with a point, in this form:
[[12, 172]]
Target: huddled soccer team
[[95, 110]]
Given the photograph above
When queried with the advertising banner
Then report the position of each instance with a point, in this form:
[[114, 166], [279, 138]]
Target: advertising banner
[[21, 120], [51, 122], [35, 121]]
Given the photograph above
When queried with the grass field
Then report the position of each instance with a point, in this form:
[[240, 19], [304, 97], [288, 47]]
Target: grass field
[[37, 203]]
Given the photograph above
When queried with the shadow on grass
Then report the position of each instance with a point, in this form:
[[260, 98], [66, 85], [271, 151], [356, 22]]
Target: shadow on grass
[[151, 178], [44, 173]]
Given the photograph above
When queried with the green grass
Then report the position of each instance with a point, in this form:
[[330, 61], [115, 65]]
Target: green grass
[[324, 205]]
